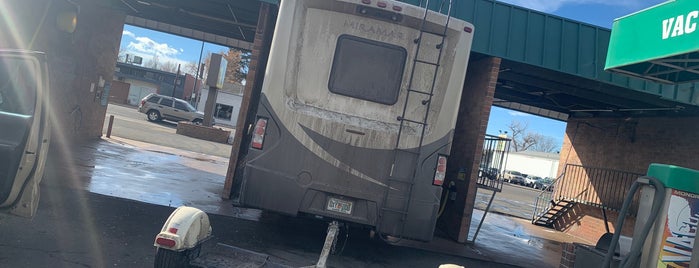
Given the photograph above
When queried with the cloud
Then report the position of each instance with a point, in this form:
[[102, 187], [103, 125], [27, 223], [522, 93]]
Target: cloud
[[553, 5], [148, 46], [516, 113], [129, 34]]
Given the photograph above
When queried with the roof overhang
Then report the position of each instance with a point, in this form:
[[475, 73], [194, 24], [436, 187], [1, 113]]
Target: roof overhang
[[660, 43]]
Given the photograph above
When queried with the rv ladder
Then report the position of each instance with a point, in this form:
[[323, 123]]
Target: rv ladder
[[396, 201]]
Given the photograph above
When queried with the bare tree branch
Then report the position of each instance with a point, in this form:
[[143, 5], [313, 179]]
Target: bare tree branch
[[523, 139], [545, 144]]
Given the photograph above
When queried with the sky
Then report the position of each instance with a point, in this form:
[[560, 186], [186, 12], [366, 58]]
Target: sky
[[146, 43]]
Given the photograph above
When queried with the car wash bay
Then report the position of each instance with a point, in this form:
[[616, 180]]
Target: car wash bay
[[521, 59]]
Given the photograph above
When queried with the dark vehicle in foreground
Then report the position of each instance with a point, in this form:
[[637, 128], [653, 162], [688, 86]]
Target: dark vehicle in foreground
[[25, 134]]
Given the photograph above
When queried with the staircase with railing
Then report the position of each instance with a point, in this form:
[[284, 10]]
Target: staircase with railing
[[602, 188]]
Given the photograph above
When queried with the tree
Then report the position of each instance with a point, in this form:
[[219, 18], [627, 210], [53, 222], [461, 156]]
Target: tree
[[544, 144], [237, 67], [190, 68], [121, 56], [168, 66], [154, 62], [523, 140]]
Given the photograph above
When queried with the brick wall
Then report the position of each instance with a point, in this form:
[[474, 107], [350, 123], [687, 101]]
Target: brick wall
[[472, 121], [202, 132], [76, 60], [629, 144], [567, 255], [587, 222]]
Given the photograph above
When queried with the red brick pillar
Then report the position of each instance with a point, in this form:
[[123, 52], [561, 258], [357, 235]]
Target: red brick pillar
[[567, 255], [251, 94], [77, 60], [466, 150]]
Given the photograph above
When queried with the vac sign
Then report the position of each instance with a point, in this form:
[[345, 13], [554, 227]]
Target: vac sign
[[680, 25], [639, 40]]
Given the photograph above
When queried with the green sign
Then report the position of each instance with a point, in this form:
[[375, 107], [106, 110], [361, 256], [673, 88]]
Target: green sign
[[662, 31]]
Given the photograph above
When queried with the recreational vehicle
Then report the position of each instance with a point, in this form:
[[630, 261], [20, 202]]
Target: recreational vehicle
[[357, 113]]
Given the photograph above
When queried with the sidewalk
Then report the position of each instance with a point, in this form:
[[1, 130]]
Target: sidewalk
[[171, 177]]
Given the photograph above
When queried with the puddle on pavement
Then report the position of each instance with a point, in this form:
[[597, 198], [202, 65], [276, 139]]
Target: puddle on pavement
[[505, 234], [155, 177]]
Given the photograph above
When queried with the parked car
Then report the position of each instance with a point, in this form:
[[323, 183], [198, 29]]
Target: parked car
[[530, 180], [517, 180], [511, 174], [158, 107], [488, 172], [544, 183]]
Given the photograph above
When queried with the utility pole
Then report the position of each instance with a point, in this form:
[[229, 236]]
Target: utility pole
[[174, 86], [196, 78]]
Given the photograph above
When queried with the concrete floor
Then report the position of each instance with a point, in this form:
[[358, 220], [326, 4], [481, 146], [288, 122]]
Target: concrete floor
[[170, 177], [116, 193]]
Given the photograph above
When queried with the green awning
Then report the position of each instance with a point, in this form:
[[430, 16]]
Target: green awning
[[660, 43]]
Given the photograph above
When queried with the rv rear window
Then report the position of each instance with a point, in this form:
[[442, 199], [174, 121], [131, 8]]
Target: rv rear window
[[367, 69]]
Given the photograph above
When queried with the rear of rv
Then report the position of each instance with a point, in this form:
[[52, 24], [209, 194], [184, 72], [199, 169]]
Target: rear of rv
[[328, 124]]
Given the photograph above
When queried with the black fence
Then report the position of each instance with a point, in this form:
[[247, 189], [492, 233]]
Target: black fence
[[493, 162]]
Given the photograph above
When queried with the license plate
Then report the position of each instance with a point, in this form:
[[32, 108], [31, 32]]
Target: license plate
[[339, 205]]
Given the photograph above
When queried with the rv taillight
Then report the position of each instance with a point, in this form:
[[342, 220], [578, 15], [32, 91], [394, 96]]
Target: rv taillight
[[381, 4], [258, 135], [165, 242], [441, 170]]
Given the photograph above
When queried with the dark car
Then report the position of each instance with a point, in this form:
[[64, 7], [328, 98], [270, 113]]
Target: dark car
[[545, 183]]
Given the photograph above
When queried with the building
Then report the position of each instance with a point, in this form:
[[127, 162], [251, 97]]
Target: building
[[132, 82], [227, 105], [533, 163]]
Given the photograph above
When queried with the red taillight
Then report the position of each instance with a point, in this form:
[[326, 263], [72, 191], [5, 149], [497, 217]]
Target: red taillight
[[381, 4], [468, 29], [172, 230], [366, 2], [143, 102], [441, 170], [258, 135], [165, 242], [397, 8]]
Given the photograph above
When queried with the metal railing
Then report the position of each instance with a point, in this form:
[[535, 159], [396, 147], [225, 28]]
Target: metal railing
[[600, 187], [492, 162], [544, 201]]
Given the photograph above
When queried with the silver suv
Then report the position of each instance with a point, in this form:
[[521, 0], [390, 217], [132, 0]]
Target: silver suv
[[158, 107]]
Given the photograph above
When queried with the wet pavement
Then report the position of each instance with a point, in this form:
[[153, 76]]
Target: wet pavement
[[170, 177]]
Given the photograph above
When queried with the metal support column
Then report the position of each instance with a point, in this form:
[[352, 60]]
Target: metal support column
[[487, 208]]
